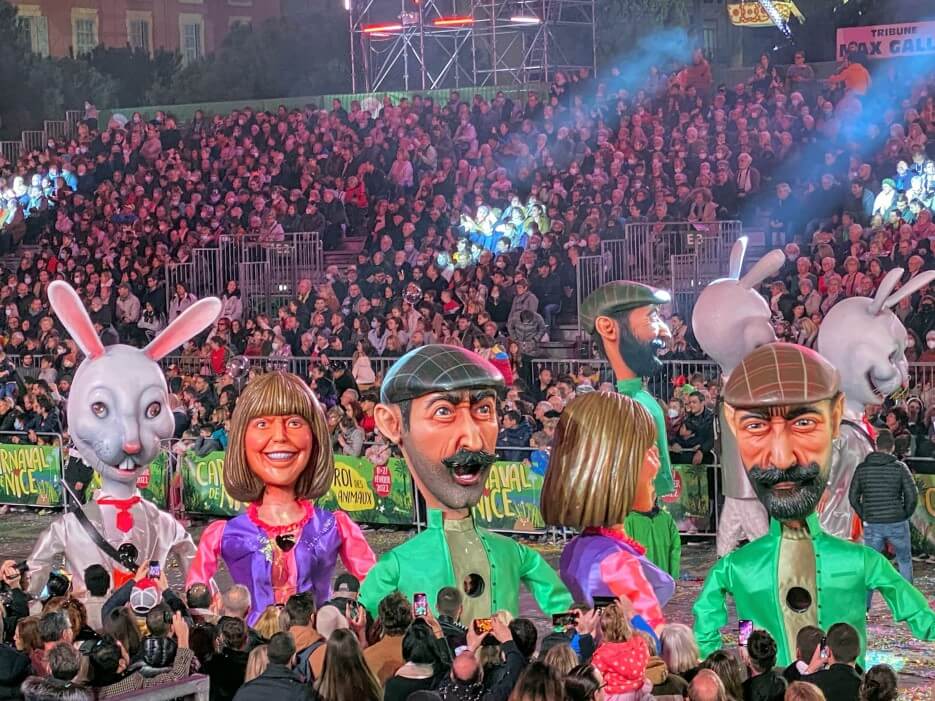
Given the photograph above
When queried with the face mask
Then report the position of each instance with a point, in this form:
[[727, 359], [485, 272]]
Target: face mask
[[673, 413], [930, 344]]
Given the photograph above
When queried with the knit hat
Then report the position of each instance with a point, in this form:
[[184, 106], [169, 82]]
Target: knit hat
[[144, 596]]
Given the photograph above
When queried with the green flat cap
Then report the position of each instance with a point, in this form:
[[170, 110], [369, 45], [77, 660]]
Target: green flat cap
[[618, 296], [438, 368]]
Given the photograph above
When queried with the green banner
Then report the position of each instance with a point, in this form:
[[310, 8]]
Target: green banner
[[923, 520], [151, 482], [377, 494], [690, 504], [29, 474], [511, 499]]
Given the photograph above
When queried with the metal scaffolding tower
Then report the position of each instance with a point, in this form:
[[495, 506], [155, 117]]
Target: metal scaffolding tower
[[428, 44]]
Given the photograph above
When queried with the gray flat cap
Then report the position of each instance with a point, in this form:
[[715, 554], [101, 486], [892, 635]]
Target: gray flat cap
[[438, 368], [618, 296]]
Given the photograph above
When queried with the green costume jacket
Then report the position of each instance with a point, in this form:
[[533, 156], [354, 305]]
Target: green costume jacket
[[635, 390], [845, 572], [423, 564]]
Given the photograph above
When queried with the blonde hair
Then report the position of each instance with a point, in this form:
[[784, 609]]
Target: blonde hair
[[678, 648], [278, 394], [803, 691], [257, 662], [600, 444], [562, 658], [269, 623], [616, 626]]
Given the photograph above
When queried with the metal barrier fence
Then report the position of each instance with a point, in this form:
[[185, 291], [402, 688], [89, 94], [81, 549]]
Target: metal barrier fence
[[11, 150], [72, 117], [34, 140], [589, 275], [299, 365], [55, 129], [268, 271], [671, 371]]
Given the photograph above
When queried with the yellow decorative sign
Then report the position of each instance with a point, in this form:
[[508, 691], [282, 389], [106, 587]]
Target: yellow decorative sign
[[752, 14], [350, 489]]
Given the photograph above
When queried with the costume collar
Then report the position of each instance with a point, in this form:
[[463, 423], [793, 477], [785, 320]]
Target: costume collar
[[253, 515], [435, 518], [814, 526], [631, 386]]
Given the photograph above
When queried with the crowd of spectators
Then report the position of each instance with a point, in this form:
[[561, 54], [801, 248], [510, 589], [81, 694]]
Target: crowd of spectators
[[847, 190], [80, 645]]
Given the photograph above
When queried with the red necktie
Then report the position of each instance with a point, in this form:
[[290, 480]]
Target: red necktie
[[124, 517], [871, 431]]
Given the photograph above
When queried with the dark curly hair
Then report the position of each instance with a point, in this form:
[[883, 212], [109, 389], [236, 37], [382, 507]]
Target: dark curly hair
[[879, 684], [762, 650], [395, 613]]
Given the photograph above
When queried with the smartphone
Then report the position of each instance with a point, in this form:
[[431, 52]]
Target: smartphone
[[483, 625], [561, 620], [745, 630], [602, 602], [420, 604], [824, 648], [154, 569]]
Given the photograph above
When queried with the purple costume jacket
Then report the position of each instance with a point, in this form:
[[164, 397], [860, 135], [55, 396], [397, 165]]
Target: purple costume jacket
[[247, 550], [602, 565]]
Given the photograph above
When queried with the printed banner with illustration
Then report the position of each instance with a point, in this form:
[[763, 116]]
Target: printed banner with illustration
[[151, 482], [29, 474], [690, 504], [889, 40], [923, 520], [377, 494], [753, 14]]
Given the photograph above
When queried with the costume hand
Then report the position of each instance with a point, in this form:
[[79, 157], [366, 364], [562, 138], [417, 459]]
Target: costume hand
[[587, 622], [500, 629]]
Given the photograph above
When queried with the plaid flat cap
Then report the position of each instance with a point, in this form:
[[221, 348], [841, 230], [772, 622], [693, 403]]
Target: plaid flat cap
[[438, 368], [619, 296], [781, 374]]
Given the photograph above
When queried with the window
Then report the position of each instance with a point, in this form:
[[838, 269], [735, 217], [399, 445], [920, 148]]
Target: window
[[709, 40], [36, 27], [235, 22], [191, 37], [83, 30], [140, 30]]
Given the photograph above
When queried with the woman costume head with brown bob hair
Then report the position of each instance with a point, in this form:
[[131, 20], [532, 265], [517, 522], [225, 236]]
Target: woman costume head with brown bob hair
[[596, 472], [278, 394]]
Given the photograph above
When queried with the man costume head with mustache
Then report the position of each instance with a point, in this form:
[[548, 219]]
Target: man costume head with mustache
[[784, 406], [439, 405]]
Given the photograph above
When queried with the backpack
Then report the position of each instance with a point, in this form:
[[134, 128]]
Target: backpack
[[302, 667]]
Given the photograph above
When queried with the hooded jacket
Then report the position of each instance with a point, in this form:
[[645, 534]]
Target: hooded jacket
[[882, 490]]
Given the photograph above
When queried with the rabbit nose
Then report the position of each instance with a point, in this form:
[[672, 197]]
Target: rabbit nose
[[132, 447]]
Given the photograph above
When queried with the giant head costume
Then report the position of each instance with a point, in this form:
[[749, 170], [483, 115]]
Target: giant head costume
[[623, 319], [439, 405], [784, 405], [867, 342]]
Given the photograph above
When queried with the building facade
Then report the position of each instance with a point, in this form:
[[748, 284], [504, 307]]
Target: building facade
[[192, 27]]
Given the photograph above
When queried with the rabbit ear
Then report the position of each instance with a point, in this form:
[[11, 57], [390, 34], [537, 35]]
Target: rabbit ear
[[70, 311], [189, 324], [765, 267], [736, 258], [915, 284], [887, 284]]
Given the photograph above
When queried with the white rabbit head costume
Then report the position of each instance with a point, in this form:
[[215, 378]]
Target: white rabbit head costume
[[866, 342], [118, 406], [731, 319]]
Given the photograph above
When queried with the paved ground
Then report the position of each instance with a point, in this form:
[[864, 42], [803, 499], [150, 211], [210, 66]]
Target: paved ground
[[889, 641]]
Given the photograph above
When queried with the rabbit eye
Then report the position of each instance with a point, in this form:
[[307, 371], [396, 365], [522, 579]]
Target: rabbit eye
[[153, 410], [99, 409]]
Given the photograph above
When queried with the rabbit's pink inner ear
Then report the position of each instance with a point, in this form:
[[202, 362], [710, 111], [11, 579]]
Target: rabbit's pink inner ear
[[71, 312], [189, 324]]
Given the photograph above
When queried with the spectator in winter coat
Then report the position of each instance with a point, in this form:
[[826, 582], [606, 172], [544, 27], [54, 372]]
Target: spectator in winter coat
[[523, 300], [514, 434], [527, 329], [884, 496]]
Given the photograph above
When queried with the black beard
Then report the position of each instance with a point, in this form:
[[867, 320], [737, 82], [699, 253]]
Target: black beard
[[438, 477], [640, 356], [790, 504]]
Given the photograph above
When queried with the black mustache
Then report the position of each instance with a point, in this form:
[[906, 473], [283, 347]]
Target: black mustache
[[771, 476], [469, 458]]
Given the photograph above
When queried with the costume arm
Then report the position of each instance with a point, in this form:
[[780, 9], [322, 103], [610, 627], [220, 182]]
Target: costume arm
[[382, 579], [675, 552], [49, 546], [905, 601], [355, 553], [544, 583], [710, 609], [623, 575], [205, 563], [181, 543]]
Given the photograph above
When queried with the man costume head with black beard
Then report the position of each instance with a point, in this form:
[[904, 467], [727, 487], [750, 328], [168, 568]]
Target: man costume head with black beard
[[784, 405], [624, 322]]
